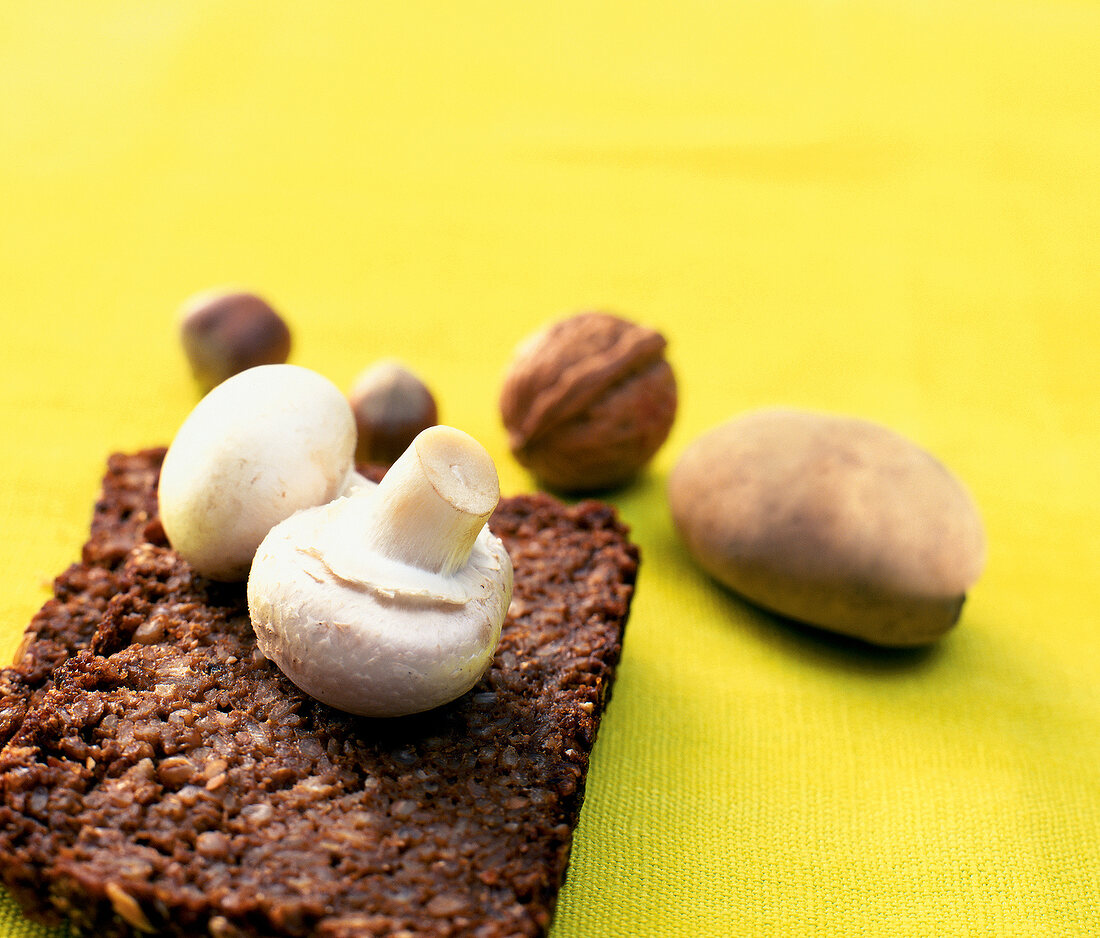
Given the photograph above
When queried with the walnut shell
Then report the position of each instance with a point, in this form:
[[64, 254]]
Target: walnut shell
[[588, 401]]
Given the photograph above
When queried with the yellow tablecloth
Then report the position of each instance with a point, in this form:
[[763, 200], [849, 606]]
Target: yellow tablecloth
[[888, 209]]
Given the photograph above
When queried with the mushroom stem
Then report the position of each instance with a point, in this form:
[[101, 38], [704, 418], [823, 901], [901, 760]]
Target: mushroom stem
[[434, 501]]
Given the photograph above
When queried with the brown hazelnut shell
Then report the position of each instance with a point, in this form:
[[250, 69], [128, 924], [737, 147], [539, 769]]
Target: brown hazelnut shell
[[391, 406], [225, 334]]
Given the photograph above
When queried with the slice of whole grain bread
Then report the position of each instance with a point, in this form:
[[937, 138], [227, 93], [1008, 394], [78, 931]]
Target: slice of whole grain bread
[[159, 774]]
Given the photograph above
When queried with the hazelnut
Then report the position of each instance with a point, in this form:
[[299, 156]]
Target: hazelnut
[[391, 406], [226, 333], [588, 401]]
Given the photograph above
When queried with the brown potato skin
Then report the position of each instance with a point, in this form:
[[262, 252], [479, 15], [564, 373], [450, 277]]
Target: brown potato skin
[[833, 521]]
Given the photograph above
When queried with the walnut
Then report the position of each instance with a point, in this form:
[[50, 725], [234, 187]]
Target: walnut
[[588, 401]]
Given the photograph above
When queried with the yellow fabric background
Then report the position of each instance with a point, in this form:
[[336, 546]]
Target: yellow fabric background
[[888, 209]]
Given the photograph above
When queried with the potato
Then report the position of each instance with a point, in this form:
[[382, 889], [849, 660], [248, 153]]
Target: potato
[[833, 521]]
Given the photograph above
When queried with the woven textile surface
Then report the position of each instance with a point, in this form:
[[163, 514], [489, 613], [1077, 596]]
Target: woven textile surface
[[883, 209]]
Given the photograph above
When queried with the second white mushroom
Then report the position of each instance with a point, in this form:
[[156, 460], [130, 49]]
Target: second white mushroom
[[268, 442], [389, 601]]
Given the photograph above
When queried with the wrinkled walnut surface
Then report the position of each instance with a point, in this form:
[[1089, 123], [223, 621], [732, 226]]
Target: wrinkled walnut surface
[[588, 401]]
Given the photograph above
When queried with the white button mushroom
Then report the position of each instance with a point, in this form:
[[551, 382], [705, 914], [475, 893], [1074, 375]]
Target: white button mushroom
[[389, 601], [259, 447]]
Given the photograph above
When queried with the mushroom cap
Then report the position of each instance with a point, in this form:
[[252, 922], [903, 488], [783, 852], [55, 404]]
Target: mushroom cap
[[262, 445], [373, 648]]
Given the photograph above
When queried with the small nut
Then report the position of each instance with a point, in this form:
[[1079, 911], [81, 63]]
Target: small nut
[[391, 405], [588, 401], [226, 333]]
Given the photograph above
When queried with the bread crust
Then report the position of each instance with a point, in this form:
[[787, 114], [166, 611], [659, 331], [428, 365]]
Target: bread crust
[[159, 774]]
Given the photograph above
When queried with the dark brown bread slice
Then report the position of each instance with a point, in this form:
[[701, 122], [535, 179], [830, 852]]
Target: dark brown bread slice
[[159, 774]]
